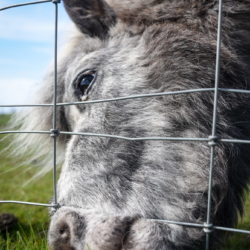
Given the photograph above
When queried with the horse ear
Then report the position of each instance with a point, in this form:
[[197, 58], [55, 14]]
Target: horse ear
[[92, 17]]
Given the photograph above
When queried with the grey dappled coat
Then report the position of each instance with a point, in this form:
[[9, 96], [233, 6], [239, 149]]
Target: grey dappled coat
[[108, 187]]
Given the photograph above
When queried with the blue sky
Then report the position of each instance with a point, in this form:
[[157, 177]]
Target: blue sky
[[26, 48]]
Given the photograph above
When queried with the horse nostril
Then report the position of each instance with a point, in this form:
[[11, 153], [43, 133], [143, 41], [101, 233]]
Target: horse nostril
[[60, 235], [64, 231]]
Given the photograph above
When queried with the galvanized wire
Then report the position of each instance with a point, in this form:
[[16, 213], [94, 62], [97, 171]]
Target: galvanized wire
[[208, 227], [189, 91], [209, 139], [213, 137], [24, 4], [30, 203], [54, 130]]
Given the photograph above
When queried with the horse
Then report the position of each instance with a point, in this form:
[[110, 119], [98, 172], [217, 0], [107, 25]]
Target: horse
[[116, 194]]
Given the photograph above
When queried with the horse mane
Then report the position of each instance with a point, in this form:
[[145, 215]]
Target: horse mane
[[38, 147]]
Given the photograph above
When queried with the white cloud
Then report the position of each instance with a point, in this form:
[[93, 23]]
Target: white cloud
[[9, 61], [5, 3], [16, 90], [42, 49], [21, 26], [31, 23], [28, 29]]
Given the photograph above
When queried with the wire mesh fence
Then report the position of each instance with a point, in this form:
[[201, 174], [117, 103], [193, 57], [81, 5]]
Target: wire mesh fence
[[213, 140]]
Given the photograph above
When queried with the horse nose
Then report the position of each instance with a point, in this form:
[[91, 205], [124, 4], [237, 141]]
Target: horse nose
[[67, 230], [61, 237], [74, 230]]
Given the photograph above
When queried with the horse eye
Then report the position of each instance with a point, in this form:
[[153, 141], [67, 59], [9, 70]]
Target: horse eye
[[84, 84]]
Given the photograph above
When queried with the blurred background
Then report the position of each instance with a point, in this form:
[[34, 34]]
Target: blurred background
[[26, 48]]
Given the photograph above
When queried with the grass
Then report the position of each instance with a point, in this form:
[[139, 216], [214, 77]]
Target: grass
[[237, 240], [31, 231]]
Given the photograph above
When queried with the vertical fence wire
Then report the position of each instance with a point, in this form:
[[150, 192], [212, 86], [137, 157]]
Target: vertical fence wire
[[54, 130], [212, 140]]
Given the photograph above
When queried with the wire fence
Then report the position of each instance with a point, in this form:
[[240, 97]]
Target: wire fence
[[213, 140]]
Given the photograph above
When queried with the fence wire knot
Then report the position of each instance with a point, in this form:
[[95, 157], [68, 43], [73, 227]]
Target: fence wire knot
[[54, 132], [213, 140], [208, 228], [55, 207]]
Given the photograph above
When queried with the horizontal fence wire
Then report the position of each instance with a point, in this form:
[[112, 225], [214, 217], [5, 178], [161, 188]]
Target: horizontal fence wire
[[30, 203], [24, 4], [131, 138], [213, 140], [130, 97]]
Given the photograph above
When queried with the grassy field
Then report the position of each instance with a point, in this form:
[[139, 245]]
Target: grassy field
[[31, 231]]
